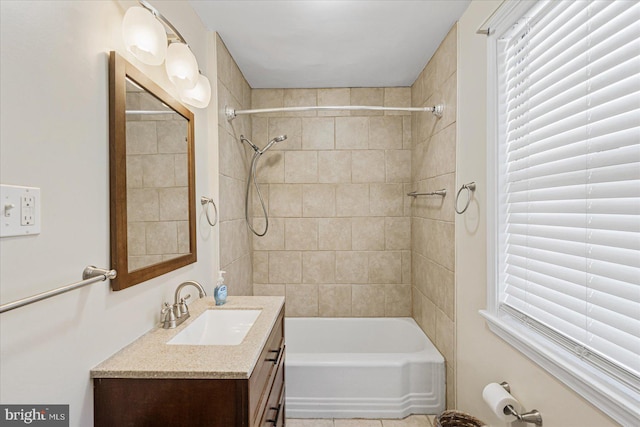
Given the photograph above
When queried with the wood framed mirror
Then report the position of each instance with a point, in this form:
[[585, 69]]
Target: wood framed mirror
[[151, 177]]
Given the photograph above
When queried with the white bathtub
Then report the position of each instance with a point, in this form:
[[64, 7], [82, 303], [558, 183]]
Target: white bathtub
[[361, 368]]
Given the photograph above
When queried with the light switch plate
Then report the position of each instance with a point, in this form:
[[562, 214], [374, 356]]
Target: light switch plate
[[19, 210]]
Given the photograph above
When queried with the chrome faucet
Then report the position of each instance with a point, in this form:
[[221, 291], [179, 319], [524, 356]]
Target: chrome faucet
[[174, 315]]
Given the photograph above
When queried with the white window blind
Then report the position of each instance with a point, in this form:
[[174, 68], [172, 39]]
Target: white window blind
[[569, 200]]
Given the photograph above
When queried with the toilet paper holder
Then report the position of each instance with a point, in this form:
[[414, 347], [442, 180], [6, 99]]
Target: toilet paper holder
[[531, 417]]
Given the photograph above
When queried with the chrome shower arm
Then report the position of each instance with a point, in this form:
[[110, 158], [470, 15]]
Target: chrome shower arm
[[254, 146]]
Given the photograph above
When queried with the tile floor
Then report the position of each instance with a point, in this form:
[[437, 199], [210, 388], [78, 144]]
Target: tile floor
[[410, 421]]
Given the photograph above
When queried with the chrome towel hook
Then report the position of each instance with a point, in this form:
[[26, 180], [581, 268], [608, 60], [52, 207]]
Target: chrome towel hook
[[470, 187], [205, 201]]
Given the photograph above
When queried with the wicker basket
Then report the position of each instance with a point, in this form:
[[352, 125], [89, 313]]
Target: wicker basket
[[457, 419]]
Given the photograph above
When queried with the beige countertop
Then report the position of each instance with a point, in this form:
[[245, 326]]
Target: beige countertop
[[151, 357]]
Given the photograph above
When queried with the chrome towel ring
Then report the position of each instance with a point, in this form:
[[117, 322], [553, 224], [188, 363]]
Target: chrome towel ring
[[470, 187], [205, 201]]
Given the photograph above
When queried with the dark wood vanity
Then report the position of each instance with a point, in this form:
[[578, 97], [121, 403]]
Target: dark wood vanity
[[256, 401]]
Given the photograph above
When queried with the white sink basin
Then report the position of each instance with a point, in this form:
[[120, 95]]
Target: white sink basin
[[217, 327]]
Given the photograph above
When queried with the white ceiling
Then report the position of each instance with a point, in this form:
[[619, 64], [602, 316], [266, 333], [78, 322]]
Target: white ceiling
[[312, 44]]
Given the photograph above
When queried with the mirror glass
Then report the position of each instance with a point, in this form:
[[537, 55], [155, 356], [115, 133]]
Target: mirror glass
[[157, 184], [152, 178]]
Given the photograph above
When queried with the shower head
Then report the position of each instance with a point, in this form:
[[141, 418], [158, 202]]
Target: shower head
[[255, 148], [279, 138]]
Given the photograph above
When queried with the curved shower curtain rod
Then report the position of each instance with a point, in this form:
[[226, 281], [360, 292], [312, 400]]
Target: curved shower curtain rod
[[231, 113]]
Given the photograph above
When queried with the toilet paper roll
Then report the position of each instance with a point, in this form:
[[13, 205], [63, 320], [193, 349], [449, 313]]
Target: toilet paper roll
[[497, 398]]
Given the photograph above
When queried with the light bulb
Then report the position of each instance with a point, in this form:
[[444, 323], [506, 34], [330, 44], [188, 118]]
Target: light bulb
[[200, 95], [182, 66], [144, 36]]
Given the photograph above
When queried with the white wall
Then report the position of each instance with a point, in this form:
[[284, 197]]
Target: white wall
[[54, 135], [482, 357]]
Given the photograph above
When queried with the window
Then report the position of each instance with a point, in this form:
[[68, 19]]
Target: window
[[566, 238]]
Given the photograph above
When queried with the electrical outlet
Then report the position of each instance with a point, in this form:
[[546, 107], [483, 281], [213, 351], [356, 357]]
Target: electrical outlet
[[20, 208], [27, 212]]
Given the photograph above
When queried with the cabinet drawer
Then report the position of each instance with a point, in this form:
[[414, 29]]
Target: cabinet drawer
[[274, 411], [262, 377]]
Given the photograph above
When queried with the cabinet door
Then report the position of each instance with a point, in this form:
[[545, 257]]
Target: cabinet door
[[274, 411], [130, 402], [262, 377]]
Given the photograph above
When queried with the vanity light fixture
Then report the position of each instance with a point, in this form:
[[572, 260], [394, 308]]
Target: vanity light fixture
[[182, 66], [200, 95], [146, 35]]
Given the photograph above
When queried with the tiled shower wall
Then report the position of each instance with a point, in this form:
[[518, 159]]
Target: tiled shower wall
[[339, 231], [344, 239], [432, 217], [235, 240]]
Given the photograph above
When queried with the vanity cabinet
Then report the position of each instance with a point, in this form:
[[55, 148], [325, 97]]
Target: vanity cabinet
[[256, 401]]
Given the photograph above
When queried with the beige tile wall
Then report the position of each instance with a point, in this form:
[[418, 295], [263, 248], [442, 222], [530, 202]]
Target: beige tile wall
[[339, 238], [235, 239], [433, 167], [157, 183], [344, 239]]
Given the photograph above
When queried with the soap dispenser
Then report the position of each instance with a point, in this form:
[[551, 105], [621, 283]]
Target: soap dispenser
[[220, 292]]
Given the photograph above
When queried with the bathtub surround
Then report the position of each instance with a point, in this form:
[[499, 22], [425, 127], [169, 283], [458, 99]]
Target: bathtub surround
[[433, 157], [322, 200], [339, 231], [234, 159], [344, 239]]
